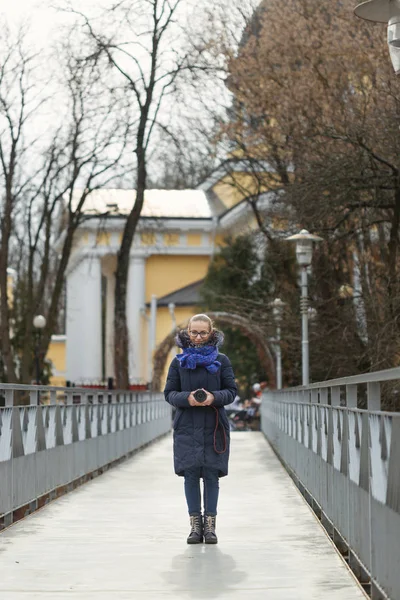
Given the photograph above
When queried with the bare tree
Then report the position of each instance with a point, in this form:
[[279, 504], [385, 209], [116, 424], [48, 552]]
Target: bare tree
[[46, 182], [144, 50], [18, 102]]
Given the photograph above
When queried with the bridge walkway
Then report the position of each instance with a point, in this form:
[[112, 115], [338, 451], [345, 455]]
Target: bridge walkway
[[122, 536]]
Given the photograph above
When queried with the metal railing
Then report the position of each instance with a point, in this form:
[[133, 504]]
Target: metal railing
[[65, 436], [346, 462]]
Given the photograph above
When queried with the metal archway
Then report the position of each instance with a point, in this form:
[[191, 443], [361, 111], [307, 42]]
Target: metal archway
[[245, 326]]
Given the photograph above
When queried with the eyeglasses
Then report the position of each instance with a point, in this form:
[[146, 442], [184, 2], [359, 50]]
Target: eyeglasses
[[202, 334]]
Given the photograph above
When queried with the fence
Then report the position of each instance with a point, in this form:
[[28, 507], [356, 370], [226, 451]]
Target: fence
[[66, 436], [346, 462]]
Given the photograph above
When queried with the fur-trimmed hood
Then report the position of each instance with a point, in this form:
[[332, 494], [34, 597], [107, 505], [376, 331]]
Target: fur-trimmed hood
[[182, 339]]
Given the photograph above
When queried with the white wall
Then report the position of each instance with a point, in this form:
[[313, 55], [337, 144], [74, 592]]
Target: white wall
[[84, 350]]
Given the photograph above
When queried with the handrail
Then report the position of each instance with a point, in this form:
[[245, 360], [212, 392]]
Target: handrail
[[48, 448], [374, 376], [36, 393], [78, 390], [345, 461]]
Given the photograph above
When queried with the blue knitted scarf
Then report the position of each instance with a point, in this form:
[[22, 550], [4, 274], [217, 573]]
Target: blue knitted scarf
[[205, 356], [199, 356]]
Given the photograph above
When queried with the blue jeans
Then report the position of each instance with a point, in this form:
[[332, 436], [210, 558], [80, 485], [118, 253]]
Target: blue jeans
[[210, 486]]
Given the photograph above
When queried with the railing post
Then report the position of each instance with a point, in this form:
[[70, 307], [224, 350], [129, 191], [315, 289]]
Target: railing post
[[9, 401], [351, 396], [335, 396], [374, 395], [323, 394]]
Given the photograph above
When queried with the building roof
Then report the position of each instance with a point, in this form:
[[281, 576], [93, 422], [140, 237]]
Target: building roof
[[186, 296], [243, 209], [234, 165], [170, 204]]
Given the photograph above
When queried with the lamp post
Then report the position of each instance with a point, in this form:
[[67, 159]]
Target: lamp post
[[304, 250], [277, 310], [385, 11], [171, 308], [39, 323]]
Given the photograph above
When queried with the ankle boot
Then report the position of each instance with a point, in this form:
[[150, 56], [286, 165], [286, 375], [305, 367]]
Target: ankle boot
[[196, 534], [210, 536]]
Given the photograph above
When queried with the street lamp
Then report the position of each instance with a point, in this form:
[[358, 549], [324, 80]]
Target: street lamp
[[304, 251], [277, 309], [39, 323], [385, 11]]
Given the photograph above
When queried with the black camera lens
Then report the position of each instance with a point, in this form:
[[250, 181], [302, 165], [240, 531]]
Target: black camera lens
[[200, 395]]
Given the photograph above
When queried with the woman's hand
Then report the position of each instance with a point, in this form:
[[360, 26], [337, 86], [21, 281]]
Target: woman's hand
[[209, 400], [192, 400]]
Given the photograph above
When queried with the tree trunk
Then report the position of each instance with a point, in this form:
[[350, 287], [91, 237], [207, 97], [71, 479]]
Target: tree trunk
[[121, 333]]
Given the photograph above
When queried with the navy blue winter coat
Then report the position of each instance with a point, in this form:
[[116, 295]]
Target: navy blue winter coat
[[194, 426]]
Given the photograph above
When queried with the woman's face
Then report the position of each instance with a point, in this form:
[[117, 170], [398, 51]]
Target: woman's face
[[199, 331]]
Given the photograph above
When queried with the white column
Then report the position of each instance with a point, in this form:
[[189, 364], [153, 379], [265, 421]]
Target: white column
[[84, 347], [110, 305], [135, 302]]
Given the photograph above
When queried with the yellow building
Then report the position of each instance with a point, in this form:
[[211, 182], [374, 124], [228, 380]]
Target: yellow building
[[178, 233]]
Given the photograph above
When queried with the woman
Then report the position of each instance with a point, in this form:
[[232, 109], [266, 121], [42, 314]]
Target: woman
[[201, 428]]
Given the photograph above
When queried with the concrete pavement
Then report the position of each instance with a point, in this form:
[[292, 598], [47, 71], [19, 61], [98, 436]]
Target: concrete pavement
[[123, 536]]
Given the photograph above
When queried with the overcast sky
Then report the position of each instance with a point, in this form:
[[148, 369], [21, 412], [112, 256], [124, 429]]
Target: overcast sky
[[38, 13], [43, 19], [45, 26]]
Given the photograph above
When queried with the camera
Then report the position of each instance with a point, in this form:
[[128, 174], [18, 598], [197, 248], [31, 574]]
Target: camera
[[200, 395]]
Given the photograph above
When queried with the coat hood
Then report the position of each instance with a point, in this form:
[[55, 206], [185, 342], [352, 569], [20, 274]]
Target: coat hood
[[182, 339]]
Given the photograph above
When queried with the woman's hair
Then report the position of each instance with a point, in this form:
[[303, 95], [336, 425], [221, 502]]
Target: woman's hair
[[201, 317]]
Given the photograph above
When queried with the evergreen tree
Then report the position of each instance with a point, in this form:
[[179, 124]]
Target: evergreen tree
[[243, 280]]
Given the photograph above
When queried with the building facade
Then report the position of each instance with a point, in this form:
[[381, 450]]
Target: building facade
[[178, 233]]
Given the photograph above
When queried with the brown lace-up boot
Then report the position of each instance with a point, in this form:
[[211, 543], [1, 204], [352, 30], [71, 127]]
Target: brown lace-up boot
[[196, 534], [210, 537]]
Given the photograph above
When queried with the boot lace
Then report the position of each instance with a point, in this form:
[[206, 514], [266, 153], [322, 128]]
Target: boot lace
[[195, 524], [209, 524]]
